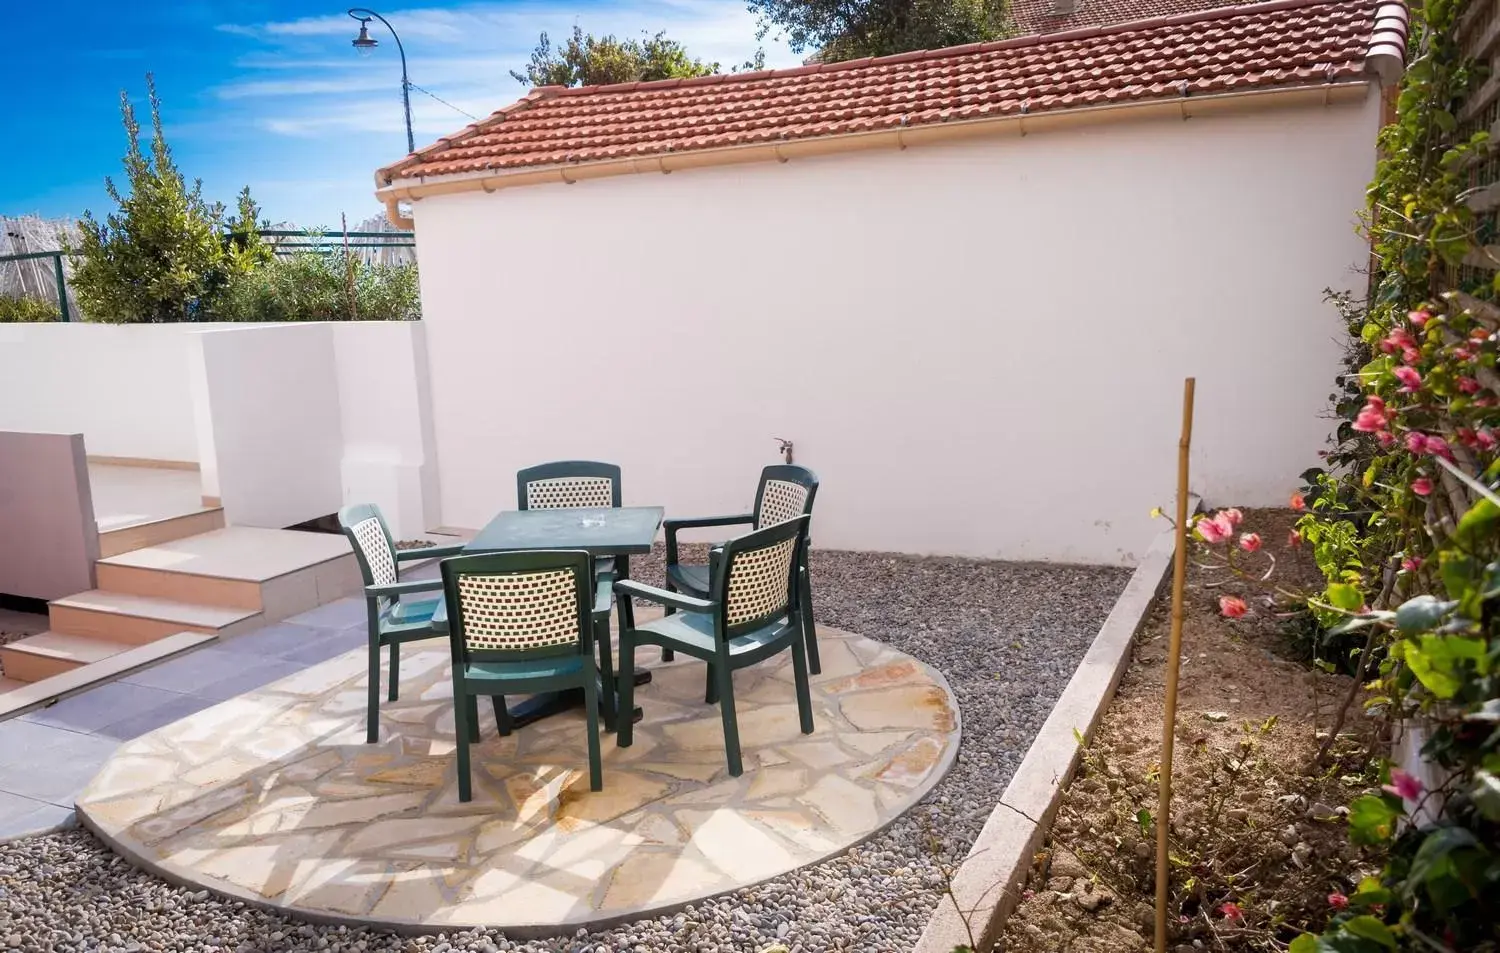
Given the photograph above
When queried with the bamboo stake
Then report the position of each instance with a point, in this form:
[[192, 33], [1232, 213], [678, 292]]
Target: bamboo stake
[[1174, 655]]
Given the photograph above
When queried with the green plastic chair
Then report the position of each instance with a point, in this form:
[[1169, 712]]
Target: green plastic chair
[[393, 618], [570, 484], [785, 492], [521, 622], [753, 612]]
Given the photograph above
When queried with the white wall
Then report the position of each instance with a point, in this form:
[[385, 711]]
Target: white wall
[[271, 403], [124, 387], [979, 347]]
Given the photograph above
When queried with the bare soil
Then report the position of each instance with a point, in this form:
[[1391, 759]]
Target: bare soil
[[1258, 836]]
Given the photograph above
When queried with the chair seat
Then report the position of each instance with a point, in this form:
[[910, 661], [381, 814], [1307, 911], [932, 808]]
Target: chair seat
[[693, 632], [692, 580], [524, 670], [411, 614]]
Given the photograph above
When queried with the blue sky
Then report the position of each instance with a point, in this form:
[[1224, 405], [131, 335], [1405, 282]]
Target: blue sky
[[269, 93]]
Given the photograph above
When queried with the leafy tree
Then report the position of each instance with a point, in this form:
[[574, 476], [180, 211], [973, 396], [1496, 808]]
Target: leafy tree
[[586, 60], [847, 29], [166, 255], [324, 284]]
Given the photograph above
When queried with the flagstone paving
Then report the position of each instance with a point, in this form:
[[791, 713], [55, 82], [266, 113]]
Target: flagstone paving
[[274, 798]]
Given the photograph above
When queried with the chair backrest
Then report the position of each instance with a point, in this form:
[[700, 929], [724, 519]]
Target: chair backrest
[[568, 484], [786, 492], [516, 605], [374, 549], [755, 579]]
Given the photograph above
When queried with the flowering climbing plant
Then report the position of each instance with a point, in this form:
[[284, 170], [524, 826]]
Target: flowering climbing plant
[[1404, 523]]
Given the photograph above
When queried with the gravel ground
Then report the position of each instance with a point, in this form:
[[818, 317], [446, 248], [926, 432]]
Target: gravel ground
[[1006, 635]]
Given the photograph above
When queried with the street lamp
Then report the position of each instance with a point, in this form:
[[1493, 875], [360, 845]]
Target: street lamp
[[365, 43]]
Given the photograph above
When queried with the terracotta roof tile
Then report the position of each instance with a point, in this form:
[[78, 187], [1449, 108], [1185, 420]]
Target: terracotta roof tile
[[1290, 43]]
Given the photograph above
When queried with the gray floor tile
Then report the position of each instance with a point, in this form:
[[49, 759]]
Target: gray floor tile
[[287, 639], [334, 615], [20, 738], [57, 773], [191, 671], [248, 679], [101, 706], [327, 646], [20, 816], [179, 707]]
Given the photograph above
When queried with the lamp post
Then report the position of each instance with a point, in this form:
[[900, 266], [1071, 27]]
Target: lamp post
[[365, 43]]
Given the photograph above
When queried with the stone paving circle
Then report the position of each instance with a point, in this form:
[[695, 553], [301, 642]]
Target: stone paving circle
[[274, 798]]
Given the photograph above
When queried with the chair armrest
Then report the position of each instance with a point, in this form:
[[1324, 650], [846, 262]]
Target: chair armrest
[[603, 590], [402, 588], [429, 552], [672, 526], [629, 587]]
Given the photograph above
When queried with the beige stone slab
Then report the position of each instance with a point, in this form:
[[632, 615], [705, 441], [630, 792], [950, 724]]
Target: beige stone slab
[[274, 797]]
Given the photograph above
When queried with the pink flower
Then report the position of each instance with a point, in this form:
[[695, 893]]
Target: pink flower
[[1234, 516], [1338, 901], [1399, 339], [1250, 542], [1409, 378], [1468, 385], [1404, 785], [1463, 354], [1467, 437], [1438, 447], [1294, 539], [1485, 439], [1298, 502], [1411, 563], [1411, 355], [1232, 606], [1372, 416], [1421, 486], [1386, 439], [1419, 318], [1216, 529], [1232, 911], [1416, 441]]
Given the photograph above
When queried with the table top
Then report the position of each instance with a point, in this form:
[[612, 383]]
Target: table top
[[605, 531]]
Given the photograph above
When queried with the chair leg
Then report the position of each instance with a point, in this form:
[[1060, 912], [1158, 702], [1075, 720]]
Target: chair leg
[[711, 685], [804, 694], [606, 674], [809, 628], [731, 724], [461, 706], [591, 709], [502, 714], [667, 654], [625, 727], [395, 672], [372, 710], [471, 707]]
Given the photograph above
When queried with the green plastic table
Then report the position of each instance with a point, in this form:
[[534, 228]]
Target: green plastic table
[[620, 532]]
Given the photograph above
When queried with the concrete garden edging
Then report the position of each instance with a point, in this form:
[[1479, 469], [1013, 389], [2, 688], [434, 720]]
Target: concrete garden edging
[[987, 886]]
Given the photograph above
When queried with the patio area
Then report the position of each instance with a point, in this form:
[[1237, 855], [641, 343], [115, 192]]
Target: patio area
[[273, 797]]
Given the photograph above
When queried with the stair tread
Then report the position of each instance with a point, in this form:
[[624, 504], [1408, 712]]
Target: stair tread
[[15, 699], [134, 522], [74, 648], [238, 552], [147, 607]]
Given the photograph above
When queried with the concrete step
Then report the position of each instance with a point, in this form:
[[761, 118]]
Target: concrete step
[[278, 573], [135, 620], [51, 653], [154, 532], [24, 696]]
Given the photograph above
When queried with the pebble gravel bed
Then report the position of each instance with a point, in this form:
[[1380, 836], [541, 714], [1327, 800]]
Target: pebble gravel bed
[[1006, 635]]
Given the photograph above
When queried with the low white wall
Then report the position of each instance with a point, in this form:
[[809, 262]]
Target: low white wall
[[271, 403], [282, 419], [124, 387], [980, 347]]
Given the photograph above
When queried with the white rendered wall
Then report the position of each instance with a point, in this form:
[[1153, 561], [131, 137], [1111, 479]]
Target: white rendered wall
[[124, 387], [979, 347], [271, 403]]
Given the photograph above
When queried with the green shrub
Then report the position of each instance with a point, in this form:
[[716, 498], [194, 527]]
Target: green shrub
[[27, 310], [324, 286]]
